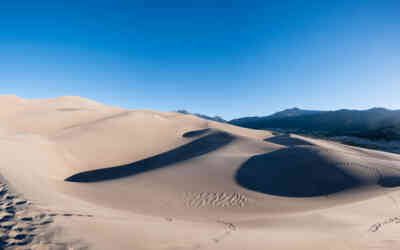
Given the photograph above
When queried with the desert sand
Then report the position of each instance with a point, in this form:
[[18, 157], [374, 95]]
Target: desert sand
[[77, 174]]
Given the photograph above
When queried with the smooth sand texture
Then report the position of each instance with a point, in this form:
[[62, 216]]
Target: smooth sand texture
[[102, 177]]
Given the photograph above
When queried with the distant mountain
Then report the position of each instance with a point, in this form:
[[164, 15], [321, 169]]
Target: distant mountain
[[215, 118], [255, 121], [386, 133], [377, 123], [293, 113]]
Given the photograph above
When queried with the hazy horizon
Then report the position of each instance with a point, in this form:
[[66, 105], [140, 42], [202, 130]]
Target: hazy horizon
[[228, 59]]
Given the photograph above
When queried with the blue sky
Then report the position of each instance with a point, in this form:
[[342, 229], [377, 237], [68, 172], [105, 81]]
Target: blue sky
[[228, 58]]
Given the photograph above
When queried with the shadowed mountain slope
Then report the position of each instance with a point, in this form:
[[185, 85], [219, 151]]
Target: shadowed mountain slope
[[375, 123]]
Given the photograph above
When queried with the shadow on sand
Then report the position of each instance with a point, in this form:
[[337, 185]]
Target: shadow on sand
[[294, 172], [195, 133], [193, 149], [389, 182], [287, 140]]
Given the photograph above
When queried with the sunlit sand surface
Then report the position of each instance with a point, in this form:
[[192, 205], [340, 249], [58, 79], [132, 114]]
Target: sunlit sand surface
[[78, 174]]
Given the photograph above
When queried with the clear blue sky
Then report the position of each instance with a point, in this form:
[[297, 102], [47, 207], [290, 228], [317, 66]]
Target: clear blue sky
[[231, 58]]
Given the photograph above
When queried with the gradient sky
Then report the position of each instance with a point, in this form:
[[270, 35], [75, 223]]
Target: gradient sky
[[228, 58]]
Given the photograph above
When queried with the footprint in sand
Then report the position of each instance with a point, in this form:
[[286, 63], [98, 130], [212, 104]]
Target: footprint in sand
[[21, 224], [229, 228]]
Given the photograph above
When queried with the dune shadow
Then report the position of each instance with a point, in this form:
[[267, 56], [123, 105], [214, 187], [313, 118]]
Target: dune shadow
[[294, 172], [287, 140], [195, 133], [193, 149], [389, 177], [390, 182]]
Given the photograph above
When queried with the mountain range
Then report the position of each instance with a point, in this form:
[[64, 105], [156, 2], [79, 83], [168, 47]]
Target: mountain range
[[374, 123], [287, 113]]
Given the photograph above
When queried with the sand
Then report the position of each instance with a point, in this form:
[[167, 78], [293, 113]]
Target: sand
[[77, 174]]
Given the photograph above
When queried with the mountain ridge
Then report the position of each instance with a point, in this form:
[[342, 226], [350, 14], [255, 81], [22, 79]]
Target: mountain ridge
[[374, 122]]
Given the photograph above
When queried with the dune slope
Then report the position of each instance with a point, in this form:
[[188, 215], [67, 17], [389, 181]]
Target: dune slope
[[140, 179]]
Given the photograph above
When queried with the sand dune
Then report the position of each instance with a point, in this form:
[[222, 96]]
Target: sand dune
[[102, 177]]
